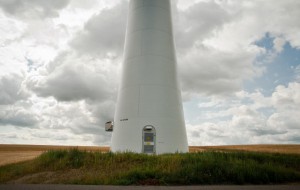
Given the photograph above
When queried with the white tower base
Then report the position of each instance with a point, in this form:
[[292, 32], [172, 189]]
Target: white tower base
[[149, 115]]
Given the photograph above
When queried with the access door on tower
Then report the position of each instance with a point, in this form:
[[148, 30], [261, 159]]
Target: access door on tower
[[149, 137]]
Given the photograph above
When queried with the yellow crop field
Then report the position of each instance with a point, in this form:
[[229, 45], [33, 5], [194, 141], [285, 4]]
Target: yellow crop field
[[17, 153], [276, 148]]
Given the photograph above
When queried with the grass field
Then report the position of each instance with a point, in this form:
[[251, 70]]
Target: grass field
[[74, 166], [251, 164], [16, 153]]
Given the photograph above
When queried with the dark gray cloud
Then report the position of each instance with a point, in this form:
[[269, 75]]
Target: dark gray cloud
[[75, 83], [79, 85], [294, 139], [31, 9], [17, 116], [77, 74], [211, 72], [102, 140], [11, 89], [262, 132], [94, 119], [197, 22], [104, 33], [84, 119], [102, 111]]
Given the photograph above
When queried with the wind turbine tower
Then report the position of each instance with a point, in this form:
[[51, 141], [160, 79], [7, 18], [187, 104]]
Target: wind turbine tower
[[149, 114]]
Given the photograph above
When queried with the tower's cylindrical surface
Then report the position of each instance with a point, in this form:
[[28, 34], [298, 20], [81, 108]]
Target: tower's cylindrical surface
[[149, 115]]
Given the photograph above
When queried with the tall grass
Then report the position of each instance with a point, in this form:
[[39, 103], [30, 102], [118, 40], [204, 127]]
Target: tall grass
[[79, 167]]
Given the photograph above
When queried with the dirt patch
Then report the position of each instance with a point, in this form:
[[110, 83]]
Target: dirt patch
[[149, 182], [35, 178], [50, 177]]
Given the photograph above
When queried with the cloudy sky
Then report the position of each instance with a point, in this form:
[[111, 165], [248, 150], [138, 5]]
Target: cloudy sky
[[239, 68]]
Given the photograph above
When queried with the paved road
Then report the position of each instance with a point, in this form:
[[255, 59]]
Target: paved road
[[94, 187]]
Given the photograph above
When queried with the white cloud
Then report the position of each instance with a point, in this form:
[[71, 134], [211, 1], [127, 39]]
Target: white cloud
[[218, 42], [84, 88], [248, 124], [59, 69], [297, 73], [286, 101], [278, 44], [252, 19]]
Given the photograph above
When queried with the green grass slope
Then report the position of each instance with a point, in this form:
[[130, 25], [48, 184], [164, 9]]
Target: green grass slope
[[80, 167]]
